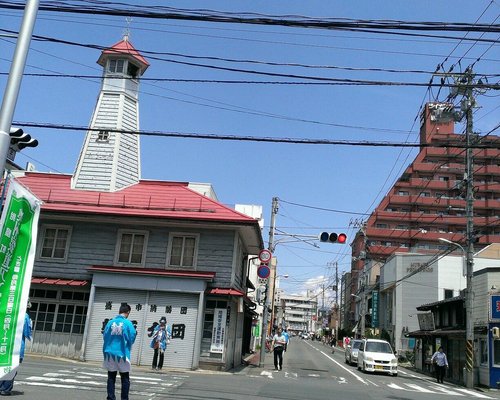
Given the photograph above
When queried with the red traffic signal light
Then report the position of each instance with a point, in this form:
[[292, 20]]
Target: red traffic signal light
[[333, 237]]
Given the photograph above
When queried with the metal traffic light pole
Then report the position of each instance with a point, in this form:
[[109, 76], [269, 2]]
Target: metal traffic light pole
[[15, 76]]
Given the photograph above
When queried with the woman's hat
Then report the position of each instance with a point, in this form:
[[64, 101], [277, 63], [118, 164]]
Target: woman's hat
[[163, 320]]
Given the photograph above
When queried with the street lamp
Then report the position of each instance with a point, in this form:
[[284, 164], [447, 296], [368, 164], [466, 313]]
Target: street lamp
[[464, 267], [469, 300]]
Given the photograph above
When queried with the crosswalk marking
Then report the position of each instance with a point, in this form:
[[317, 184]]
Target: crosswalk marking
[[445, 390], [473, 393], [81, 379], [418, 388]]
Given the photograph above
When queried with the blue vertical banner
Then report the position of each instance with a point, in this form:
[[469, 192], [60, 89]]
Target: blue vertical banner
[[374, 308]]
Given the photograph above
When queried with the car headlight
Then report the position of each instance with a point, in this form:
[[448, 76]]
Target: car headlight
[[394, 361], [370, 359]]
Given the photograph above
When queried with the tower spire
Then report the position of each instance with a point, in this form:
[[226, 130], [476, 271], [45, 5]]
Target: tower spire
[[110, 158]]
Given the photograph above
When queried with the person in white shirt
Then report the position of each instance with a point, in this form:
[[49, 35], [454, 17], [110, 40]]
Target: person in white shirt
[[278, 345], [441, 363]]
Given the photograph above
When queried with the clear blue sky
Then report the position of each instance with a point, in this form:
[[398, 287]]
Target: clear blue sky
[[346, 178]]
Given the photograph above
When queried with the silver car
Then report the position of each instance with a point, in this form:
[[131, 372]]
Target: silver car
[[351, 352]]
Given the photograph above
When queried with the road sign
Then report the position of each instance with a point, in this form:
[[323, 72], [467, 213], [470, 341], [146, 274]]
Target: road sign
[[263, 271], [265, 256]]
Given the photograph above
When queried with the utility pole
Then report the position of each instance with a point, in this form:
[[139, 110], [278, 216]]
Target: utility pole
[[265, 314], [15, 76], [337, 306], [467, 106], [363, 312]]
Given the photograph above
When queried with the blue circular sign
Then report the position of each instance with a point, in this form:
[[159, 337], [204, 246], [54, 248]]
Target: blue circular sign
[[263, 271]]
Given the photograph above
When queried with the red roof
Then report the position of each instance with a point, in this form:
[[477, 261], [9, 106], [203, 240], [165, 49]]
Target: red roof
[[150, 199], [125, 47], [61, 282], [155, 271]]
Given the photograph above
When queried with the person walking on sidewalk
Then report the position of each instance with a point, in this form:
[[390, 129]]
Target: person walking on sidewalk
[[119, 336], [278, 345], [441, 363]]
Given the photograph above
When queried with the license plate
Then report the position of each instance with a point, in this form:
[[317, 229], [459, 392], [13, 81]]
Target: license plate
[[379, 367]]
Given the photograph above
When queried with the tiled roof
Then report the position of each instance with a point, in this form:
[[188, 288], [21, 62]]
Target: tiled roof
[[125, 47], [150, 199], [428, 306], [59, 282]]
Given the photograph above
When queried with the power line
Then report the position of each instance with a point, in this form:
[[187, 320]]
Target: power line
[[207, 136], [296, 21]]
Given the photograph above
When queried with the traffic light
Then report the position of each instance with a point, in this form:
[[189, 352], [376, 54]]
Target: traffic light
[[20, 140], [333, 237]]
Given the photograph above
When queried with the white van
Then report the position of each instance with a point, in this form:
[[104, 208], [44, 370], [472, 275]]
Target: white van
[[377, 355]]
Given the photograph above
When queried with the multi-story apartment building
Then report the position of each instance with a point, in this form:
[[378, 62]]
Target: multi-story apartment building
[[427, 201], [300, 313]]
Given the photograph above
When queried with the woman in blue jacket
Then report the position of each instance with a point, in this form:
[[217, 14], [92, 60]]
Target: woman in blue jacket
[[160, 338]]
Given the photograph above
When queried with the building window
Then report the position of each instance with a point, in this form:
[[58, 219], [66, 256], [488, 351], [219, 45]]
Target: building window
[[383, 226], [448, 293], [496, 353], [131, 247], [403, 193], [103, 136], [55, 242], [132, 70], [182, 250], [58, 311], [116, 66], [70, 318], [425, 194], [484, 351]]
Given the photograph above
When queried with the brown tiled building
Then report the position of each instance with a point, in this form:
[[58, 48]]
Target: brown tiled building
[[427, 201]]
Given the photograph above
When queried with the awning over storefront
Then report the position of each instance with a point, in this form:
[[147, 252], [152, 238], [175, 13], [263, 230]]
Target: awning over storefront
[[225, 292], [154, 272], [58, 282], [438, 332]]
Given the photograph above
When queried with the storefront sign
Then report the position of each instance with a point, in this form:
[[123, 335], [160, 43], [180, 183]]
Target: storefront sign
[[18, 232], [218, 331], [494, 308], [375, 309]]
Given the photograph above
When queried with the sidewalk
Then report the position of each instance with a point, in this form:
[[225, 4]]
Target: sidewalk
[[251, 363]]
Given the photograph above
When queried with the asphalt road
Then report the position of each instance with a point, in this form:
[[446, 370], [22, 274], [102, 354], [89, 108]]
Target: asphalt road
[[310, 372]]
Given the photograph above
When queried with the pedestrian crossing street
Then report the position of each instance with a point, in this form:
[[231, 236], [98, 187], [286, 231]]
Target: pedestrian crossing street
[[415, 384], [146, 385]]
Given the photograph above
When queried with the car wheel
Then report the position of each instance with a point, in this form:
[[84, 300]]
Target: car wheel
[[396, 375], [359, 368]]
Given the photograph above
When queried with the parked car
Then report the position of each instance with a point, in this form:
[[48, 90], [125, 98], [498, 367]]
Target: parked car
[[304, 335], [377, 355], [351, 351]]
